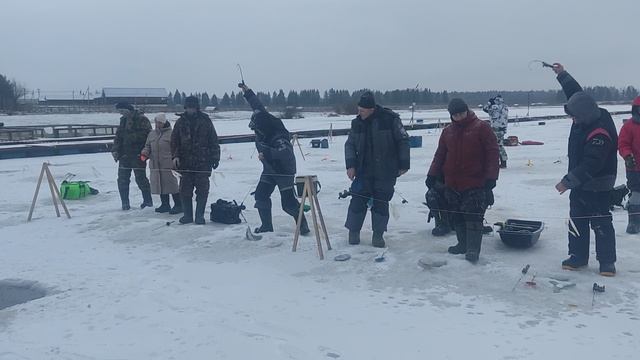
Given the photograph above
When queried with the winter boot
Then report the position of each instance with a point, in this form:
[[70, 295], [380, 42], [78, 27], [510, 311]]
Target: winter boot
[[354, 237], [442, 227], [634, 219], [265, 218], [474, 241], [503, 164], [574, 263], [146, 199], [164, 206], [377, 240], [304, 226], [187, 207], [177, 204], [124, 197], [608, 269], [200, 207], [461, 246]]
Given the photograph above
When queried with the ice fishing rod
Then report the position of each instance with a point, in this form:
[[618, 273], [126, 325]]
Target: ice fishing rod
[[241, 75], [524, 272], [543, 63]]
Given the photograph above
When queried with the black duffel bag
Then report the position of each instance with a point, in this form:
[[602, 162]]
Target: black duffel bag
[[226, 212]]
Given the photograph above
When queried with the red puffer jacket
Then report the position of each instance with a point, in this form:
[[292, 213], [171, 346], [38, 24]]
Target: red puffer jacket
[[629, 139], [467, 154]]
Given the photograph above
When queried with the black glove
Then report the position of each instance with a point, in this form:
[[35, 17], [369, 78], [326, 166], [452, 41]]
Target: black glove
[[489, 184], [630, 161], [215, 164], [430, 181]]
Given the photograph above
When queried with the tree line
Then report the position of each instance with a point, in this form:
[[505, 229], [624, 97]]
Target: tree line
[[10, 92], [345, 101]]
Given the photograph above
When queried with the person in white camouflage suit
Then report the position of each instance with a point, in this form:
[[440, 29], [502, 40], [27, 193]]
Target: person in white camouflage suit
[[499, 113]]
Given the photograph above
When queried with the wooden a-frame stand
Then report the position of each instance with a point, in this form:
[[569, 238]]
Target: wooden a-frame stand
[[309, 192], [55, 193]]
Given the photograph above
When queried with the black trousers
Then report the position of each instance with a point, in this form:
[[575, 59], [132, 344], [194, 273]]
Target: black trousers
[[591, 208], [125, 166], [267, 185], [194, 180], [364, 190]]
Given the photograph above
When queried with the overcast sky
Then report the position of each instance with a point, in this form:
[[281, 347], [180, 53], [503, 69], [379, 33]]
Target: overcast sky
[[194, 45]]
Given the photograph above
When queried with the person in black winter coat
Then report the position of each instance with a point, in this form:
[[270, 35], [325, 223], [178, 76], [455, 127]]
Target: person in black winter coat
[[275, 151], [591, 176], [195, 152], [376, 154]]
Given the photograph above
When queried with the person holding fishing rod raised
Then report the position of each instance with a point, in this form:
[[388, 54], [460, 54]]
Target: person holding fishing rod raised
[[275, 151]]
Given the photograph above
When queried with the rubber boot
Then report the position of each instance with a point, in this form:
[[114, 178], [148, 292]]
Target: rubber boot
[[177, 204], [474, 241], [187, 207], [304, 226], [124, 197], [146, 199], [266, 220], [377, 240], [200, 206], [164, 206], [442, 227], [634, 219], [461, 235], [354, 237]]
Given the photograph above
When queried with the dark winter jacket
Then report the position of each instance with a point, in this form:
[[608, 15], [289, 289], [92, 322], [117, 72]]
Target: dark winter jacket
[[377, 147], [467, 155], [629, 140], [131, 135], [195, 142], [272, 139], [593, 141]]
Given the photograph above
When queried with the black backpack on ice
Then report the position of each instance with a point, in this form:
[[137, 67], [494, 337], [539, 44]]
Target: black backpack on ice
[[226, 212]]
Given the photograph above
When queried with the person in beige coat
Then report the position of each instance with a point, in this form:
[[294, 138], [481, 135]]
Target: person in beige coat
[[158, 151]]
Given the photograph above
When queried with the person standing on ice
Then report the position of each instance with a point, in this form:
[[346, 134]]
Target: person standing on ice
[[129, 141], [466, 161], [275, 151], [499, 114], [629, 149], [593, 143], [376, 154], [158, 151], [195, 152]]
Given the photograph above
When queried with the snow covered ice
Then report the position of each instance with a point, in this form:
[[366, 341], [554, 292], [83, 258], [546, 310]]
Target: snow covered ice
[[124, 285]]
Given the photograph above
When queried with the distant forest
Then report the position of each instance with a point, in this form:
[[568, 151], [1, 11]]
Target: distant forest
[[343, 101]]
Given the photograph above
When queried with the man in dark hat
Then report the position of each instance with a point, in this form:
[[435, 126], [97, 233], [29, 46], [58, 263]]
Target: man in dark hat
[[591, 176], [275, 151], [130, 139], [195, 152], [376, 154], [466, 163]]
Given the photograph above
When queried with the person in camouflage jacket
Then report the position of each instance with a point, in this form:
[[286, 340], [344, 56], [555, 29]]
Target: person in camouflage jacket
[[130, 139]]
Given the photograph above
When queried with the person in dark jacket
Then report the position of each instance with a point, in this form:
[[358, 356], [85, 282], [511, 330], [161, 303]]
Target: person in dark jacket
[[275, 151], [591, 176], [629, 149], [466, 163], [376, 154], [130, 139], [195, 151]]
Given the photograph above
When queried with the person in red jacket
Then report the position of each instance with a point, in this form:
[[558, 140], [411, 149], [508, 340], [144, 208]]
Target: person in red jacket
[[467, 161], [629, 149]]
